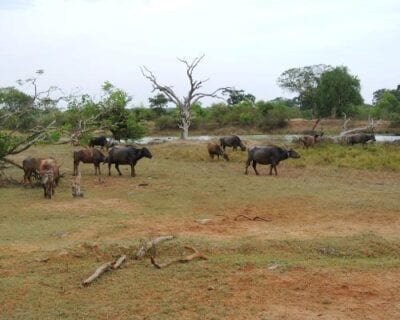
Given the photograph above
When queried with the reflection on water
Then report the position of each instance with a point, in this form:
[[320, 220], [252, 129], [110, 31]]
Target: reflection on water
[[257, 137]]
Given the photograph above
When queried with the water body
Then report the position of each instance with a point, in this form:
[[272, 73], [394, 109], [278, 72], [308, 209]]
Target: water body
[[258, 137]]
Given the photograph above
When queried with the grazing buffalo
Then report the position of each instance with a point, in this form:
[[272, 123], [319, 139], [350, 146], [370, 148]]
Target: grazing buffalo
[[215, 149], [49, 173], [91, 155], [309, 141], [126, 155], [360, 138], [35, 165], [268, 155], [232, 141], [98, 141]]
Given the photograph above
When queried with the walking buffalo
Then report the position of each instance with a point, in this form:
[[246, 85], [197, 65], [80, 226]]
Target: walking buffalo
[[360, 138], [91, 155], [35, 165], [232, 141], [126, 155], [268, 155], [215, 149], [98, 141]]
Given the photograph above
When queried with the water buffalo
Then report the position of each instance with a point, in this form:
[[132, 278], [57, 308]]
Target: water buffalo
[[215, 149], [49, 172], [360, 138], [232, 141], [126, 155], [35, 165], [98, 141], [309, 141], [268, 155], [91, 155]]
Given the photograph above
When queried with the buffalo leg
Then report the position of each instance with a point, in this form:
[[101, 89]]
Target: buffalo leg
[[270, 169], [255, 167], [247, 166], [133, 173], [109, 168], [117, 167], [276, 172], [75, 169]]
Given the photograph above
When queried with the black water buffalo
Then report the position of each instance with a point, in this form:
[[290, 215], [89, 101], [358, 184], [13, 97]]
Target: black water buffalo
[[232, 141], [91, 155], [268, 155], [98, 141], [126, 155], [215, 149], [360, 138]]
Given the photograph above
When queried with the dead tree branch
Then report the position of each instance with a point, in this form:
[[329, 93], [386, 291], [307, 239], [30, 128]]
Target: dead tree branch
[[252, 219], [195, 255], [145, 247], [99, 271]]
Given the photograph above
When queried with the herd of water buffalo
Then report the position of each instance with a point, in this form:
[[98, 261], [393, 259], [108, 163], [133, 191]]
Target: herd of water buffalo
[[49, 170]]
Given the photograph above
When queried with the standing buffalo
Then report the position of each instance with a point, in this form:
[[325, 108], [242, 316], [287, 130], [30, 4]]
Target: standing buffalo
[[232, 141], [98, 141], [48, 174], [35, 165], [215, 150], [268, 155], [360, 138], [126, 155], [91, 155], [309, 141]]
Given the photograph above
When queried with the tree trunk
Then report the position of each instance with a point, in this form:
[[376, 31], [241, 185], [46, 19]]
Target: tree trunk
[[333, 112], [185, 121]]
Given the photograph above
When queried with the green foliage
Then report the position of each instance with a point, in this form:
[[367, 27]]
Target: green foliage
[[337, 91], [388, 107], [379, 93], [238, 96], [166, 122], [158, 103], [8, 142], [304, 81]]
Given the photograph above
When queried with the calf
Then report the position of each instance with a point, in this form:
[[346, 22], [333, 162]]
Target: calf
[[309, 141], [91, 155], [215, 150]]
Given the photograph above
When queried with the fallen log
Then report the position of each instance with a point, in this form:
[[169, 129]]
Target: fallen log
[[144, 248], [119, 262], [252, 219], [99, 271], [195, 255]]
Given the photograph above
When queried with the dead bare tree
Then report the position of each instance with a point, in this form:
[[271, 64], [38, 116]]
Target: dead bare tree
[[370, 127], [185, 103]]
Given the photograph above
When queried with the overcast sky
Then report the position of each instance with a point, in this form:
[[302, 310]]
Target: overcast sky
[[247, 44]]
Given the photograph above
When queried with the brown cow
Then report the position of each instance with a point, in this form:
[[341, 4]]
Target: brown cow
[[215, 149], [91, 155], [309, 141], [35, 165]]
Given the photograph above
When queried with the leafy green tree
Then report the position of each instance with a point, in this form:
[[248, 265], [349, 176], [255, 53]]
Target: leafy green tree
[[304, 81], [338, 90], [237, 96], [158, 103], [388, 107], [115, 116], [379, 93]]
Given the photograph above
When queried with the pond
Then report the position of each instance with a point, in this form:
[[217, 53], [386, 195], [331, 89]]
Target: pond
[[261, 137]]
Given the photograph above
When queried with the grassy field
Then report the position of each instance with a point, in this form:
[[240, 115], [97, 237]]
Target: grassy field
[[330, 251]]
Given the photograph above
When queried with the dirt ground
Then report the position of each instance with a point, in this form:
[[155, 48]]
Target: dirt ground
[[331, 249]]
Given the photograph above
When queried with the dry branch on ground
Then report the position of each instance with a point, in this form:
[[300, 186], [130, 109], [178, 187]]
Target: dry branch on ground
[[195, 255]]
